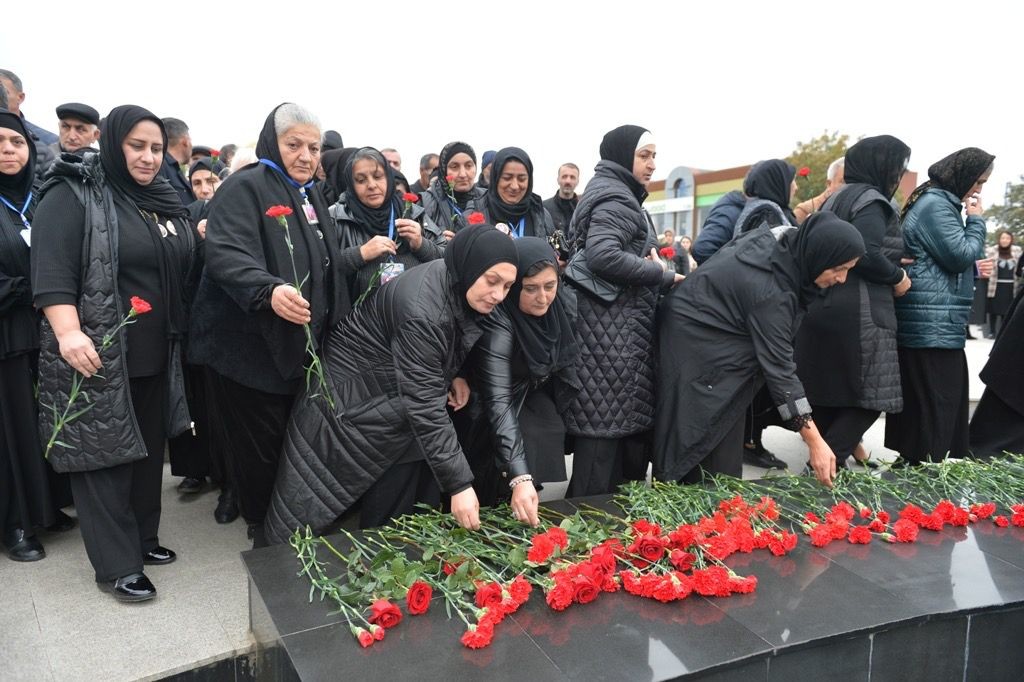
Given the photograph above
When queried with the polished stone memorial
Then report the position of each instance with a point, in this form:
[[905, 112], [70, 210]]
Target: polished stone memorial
[[947, 607]]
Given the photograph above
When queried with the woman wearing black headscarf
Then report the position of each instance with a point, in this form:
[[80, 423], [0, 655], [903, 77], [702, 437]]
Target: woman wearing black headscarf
[[390, 443], [932, 317], [769, 186], [204, 179], [30, 493], [447, 199], [727, 330], [248, 316], [846, 346], [523, 365], [108, 232], [997, 424], [510, 198], [614, 410], [380, 239]]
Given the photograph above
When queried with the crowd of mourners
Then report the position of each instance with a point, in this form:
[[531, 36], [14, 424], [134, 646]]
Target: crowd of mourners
[[327, 343]]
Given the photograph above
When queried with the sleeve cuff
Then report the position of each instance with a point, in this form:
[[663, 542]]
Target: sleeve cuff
[[56, 298], [791, 408]]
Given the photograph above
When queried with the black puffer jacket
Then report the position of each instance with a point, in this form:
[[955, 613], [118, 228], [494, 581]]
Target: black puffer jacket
[[616, 361], [108, 434], [538, 223], [353, 235], [846, 346], [390, 364]]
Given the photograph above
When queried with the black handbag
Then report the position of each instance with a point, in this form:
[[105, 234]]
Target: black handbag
[[579, 274]]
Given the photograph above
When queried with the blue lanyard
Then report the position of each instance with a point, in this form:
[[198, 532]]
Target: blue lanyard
[[21, 213], [391, 222], [455, 207], [518, 232], [302, 188]]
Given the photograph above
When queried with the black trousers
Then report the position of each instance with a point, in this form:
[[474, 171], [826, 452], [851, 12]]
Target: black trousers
[[843, 427], [191, 454], [119, 507], [397, 492], [599, 465], [248, 428], [724, 458]]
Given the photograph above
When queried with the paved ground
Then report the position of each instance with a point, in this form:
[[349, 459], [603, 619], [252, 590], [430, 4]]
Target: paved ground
[[56, 625]]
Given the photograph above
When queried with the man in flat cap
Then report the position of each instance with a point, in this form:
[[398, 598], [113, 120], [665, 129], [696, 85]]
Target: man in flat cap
[[78, 128]]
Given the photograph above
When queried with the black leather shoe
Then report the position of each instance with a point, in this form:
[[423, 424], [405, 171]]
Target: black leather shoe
[[22, 547], [759, 457], [134, 587], [158, 555], [227, 507], [63, 523], [190, 485]]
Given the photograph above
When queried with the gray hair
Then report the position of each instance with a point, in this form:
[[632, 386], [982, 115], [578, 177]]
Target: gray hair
[[369, 154], [243, 157], [175, 129], [13, 77], [289, 115], [833, 168], [3, 98]]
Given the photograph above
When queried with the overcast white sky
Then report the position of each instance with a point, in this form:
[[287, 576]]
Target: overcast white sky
[[719, 85]]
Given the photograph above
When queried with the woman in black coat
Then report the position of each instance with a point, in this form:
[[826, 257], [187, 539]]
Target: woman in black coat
[[769, 186], [26, 498], [998, 422], [727, 330], [388, 443], [108, 229], [522, 367], [510, 198], [846, 347], [447, 199], [614, 409], [378, 241], [248, 317]]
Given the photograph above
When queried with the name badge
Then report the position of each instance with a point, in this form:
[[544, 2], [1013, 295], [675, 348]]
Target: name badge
[[310, 214], [388, 271], [26, 234]]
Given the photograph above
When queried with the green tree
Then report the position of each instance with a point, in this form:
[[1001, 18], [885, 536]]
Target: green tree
[[1009, 216], [816, 155]]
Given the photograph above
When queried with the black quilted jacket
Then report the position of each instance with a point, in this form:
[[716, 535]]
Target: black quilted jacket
[[616, 362], [390, 363]]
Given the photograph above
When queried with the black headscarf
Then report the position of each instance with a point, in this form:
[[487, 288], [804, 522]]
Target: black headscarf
[[877, 161], [956, 174], [472, 251], [822, 242], [770, 179], [497, 209], [205, 163], [15, 188], [619, 145], [377, 220], [447, 152], [333, 162], [158, 196], [548, 342]]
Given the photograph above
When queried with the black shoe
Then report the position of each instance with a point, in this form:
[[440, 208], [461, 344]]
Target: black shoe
[[227, 507], [759, 457], [190, 485], [63, 523], [158, 556], [134, 587], [22, 547]]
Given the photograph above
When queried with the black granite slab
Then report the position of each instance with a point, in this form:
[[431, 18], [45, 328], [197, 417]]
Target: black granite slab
[[845, 611]]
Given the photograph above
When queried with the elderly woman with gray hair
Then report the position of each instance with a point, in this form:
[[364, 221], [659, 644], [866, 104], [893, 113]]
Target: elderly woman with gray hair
[[248, 317]]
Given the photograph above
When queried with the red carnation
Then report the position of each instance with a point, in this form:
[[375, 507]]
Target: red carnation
[[1001, 521], [541, 548], [451, 568], [520, 589], [667, 252], [665, 591], [876, 526], [410, 197], [476, 218], [804, 172], [905, 530], [866, 513], [377, 632], [488, 594], [821, 535], [712, 582], [364, 637], [742, 585], [384, 614], [417, 599], [214, 153], [279, 211], [860, 535], [478, 636], [140, 306], [984, 510], [560, 596], [883, 516], [558, 536]]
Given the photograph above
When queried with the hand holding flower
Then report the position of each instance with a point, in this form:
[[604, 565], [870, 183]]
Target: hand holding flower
[[376, 247], [78, 350], [466, 509], [288, 304], [410, 231]]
